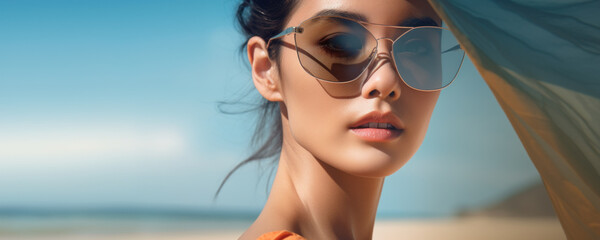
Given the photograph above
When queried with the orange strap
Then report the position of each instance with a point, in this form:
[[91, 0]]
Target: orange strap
[[280, 235]]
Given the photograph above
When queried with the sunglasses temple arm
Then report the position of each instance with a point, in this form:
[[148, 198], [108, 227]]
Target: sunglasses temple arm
[[286, 32], [456, 47]]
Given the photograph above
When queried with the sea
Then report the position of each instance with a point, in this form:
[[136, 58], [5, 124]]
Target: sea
[[15, 222]]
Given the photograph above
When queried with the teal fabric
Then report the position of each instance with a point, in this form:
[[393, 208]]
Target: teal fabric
[[541, 59]]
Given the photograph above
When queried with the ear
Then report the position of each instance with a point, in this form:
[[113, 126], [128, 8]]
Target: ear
[[264, 71]]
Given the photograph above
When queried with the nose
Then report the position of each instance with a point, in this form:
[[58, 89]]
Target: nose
[[383, 80]]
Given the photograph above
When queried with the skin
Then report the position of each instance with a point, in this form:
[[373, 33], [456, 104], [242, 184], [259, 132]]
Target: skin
[[329, 181]]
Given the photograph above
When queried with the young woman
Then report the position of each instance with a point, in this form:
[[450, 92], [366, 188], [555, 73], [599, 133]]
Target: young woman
[[353, 85]]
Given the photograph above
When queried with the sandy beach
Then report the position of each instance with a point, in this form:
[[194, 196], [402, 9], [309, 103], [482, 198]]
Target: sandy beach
[[485, 228]]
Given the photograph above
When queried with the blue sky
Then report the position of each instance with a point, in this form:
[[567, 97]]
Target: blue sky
[[112, 103]]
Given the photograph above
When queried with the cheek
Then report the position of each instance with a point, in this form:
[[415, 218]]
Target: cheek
[[416, 110], [313, 116]]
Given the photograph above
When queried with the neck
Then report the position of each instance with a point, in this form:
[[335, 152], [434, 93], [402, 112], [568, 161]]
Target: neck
[[319, 201]]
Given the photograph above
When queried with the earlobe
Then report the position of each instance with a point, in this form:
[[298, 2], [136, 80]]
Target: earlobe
[[263, 70]]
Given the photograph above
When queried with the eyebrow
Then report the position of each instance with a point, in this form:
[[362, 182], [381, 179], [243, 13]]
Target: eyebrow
[[341, 13], [409, 22]]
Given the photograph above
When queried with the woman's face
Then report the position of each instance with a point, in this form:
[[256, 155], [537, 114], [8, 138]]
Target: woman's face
[[327, 126]]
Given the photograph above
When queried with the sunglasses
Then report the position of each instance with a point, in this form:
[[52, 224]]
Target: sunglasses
[[337, 49]]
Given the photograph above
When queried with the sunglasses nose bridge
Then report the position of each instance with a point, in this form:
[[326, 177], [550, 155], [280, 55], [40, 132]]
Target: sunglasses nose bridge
[[385, 48]]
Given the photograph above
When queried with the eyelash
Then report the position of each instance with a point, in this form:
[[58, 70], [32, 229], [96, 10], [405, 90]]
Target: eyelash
[[326, 41]]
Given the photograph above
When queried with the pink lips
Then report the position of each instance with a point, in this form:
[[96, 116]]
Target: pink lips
[[378, 127], [377, 135]]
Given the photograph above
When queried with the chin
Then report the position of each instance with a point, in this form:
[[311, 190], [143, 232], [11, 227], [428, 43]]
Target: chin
[[372, 164]]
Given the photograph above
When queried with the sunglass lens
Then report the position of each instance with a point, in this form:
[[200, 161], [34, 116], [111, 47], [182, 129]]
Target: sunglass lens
[[427, 58], [334, 49]]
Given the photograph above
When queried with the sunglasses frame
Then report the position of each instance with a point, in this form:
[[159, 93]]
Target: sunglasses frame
[[300, 29]]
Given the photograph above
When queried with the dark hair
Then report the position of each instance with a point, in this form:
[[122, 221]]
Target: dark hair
[[265, 19]]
